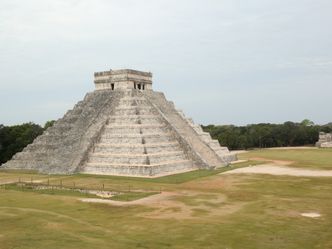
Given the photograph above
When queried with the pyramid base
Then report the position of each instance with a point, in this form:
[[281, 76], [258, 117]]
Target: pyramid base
[[150, 171]]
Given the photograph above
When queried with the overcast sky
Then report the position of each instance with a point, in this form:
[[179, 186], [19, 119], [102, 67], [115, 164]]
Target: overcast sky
[[221, 61]]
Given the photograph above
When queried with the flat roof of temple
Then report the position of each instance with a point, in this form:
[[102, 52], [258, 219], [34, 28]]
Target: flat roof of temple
[[122, 71]]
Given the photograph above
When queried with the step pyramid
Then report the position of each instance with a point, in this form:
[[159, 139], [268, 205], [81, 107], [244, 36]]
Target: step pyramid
[[123, 128]]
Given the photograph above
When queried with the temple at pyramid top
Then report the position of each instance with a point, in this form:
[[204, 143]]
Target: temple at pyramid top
[[123, 79]]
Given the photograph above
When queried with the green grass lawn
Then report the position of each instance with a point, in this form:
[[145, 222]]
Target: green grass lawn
[[228, 211], [309, 158]]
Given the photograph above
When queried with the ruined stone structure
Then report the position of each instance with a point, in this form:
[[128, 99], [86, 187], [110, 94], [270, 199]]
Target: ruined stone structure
[[123, 128], [325, 140]]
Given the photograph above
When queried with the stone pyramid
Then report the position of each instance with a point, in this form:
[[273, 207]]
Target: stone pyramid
[[122, 128]]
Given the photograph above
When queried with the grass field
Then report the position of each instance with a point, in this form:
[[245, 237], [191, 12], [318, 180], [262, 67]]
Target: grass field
[[309, 158], [201, 210]]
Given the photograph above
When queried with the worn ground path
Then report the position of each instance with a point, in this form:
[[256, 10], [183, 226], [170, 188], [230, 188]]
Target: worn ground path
[[274, 168], [169, 205]]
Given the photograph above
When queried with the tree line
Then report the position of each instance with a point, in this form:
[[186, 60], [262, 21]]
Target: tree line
[[267, 135], [14, 138]]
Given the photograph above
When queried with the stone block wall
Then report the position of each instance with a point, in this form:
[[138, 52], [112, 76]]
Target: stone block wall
[[325, 140]]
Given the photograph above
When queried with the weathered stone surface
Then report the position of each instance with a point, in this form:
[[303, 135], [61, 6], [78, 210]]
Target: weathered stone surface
[[325, 140], [123, 79], [123, 131], [61, 148]]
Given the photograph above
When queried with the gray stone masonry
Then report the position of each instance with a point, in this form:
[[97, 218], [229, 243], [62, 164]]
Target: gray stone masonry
[[61, 148], [124, 130], [137, 141], [325, 140], [209, 151]]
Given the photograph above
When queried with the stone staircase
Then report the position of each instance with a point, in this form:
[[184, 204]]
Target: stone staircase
[[136, 142]]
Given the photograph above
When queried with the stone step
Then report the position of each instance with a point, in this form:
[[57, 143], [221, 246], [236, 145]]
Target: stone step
[[99, 158], [137, 148], [165, 168], [139, 145], [134, 130], [131, 155], [134, 102], [147, 134], [132, 98], [161, 157], [134, 120], [217, 147], [37, 155], [124, 126], [110, 148], [130, 158], [139, 129], [134, 111], [136, 98], [117, 128], [136, 138], [124, 107], [135, 115]]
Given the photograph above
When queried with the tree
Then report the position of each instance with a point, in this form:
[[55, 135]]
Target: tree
[[307, 122], [49, 124], [13, 139], [267, 135]]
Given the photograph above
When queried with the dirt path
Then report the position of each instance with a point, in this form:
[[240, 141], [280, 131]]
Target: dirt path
[[147, 200], [275, 169], [173, 205], [274, 162]]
